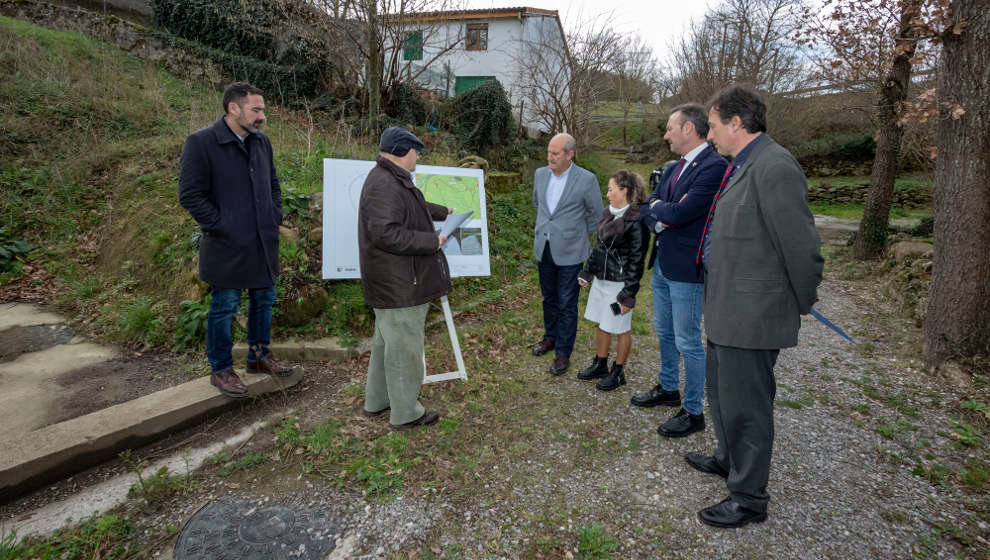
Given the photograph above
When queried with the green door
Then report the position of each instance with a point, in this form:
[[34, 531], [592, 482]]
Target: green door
[[467, 83]]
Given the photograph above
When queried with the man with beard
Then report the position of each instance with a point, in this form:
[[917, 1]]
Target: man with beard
[[227, 182]]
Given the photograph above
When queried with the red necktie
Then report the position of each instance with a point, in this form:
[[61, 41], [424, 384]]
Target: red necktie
[[711, 212], [674, 177]]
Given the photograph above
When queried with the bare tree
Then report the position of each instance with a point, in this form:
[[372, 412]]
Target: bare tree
[[636, 78], [561, 79], [377, 34], [957, 324], [739, 41], [876, 43]]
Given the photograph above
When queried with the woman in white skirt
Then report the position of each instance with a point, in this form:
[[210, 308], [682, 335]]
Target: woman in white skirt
[[614, 270]]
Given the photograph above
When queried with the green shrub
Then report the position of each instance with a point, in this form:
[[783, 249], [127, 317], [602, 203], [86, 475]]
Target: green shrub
[[294, 201], [593, 544], [12, 251], [838, 146], [482, 117], [280, 83], [345, 313], [407, 107], [193, 315], [140, 322]]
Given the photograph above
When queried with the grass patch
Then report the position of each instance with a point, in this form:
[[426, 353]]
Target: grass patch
[[109, 537], [156, 490], [855, 211], [975, 475], [936, 474], [243, 463], [795, 404], [594, 544], [890, 429]]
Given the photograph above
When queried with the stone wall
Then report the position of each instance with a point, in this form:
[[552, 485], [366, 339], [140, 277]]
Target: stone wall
[[140, 11], [856, 194], [131, 37]]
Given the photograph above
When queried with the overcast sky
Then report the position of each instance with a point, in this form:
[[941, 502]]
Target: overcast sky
[[657, 21]]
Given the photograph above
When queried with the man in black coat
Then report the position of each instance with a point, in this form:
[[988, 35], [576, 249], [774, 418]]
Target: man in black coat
[[227, 182]]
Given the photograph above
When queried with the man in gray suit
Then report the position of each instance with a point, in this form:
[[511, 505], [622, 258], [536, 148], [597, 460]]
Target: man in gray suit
[[763, 264], [568, 206]]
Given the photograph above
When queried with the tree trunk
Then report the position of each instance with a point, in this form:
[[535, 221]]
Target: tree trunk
[[871, 240], [375, 67], [957, 324]]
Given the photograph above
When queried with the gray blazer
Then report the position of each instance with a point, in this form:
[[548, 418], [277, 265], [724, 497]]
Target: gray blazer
[[764, 264], [574, 219]]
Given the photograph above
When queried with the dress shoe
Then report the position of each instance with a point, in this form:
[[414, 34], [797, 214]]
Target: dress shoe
[[228, 383], [598, 369], [656, 396], [543, 346], [706, 464], [560, 365], [428, 417], [730, 514], [376, 414], [616, 378], [270, 366], [682, 424]]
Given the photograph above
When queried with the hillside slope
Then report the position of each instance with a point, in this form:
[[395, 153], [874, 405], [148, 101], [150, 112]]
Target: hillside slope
[[90, 138]]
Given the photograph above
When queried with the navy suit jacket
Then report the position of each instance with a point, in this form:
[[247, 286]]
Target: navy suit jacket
[[677, 246]]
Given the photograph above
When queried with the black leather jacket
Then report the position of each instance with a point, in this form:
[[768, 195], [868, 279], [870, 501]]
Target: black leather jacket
[[620, 253]]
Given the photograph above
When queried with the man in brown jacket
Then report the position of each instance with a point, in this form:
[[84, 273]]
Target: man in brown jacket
[[402, 270]]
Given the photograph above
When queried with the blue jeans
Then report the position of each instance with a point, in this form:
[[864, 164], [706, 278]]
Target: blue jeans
[[559, 287], [223, 307], [677, 321]]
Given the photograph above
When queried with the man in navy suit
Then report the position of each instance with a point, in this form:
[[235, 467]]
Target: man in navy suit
[[676, 214]]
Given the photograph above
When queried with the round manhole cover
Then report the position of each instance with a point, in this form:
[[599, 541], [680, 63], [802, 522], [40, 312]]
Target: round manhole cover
[[249, 530]]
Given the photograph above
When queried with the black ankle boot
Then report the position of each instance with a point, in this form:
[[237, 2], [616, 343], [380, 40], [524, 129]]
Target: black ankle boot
[[615, 379], [599, 368]]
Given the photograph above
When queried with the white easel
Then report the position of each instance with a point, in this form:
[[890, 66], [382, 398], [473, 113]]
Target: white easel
[[461, 373]]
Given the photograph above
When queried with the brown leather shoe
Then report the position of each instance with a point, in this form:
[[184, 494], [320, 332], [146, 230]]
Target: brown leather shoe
[[229, 384], [560, 365], [543, 346], [270, 366], [428, 417]]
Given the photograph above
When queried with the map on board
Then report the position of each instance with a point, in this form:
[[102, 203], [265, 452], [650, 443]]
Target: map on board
[[454, 191], [454, 187]]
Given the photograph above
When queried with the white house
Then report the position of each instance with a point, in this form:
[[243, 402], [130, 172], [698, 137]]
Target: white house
[[523, 48]]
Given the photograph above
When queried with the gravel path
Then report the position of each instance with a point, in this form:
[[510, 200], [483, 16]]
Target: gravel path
[[870, 461], [840, 488]]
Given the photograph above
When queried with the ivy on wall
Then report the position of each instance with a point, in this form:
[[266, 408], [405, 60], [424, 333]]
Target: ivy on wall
[[250, 41]]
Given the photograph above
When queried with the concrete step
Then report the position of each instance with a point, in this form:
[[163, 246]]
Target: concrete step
[[33, 458], [289, 351]]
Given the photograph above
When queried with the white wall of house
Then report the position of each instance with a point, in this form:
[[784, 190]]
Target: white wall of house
[[510, 40]]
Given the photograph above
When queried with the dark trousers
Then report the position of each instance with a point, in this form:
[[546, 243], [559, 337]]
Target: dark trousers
[[559, 287], [223, 306], [741, 388]]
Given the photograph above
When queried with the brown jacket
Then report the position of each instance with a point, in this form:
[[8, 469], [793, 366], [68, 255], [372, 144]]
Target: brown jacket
[[401, 264]]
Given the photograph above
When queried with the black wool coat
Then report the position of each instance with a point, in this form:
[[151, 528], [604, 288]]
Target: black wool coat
[[619, 254], [232, 190]]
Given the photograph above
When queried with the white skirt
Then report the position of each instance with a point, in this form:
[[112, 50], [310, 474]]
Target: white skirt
[[600, 299]]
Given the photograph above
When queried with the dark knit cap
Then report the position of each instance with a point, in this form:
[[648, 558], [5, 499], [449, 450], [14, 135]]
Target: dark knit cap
[[398, 141]]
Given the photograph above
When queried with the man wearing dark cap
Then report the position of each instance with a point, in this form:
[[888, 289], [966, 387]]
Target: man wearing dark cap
[[402, 270]]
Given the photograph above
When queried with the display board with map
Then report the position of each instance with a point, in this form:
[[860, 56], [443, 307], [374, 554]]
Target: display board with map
[[454, 187]]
